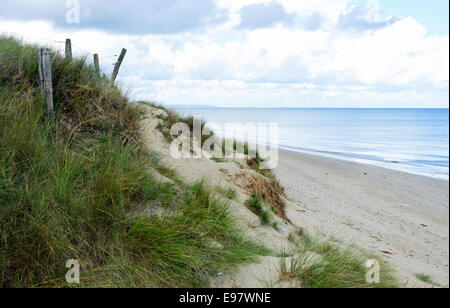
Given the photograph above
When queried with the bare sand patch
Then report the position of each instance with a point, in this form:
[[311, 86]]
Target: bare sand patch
[[403, 217]]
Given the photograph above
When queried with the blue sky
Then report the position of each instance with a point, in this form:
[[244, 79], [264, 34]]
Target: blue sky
[[433, 14], [256, 53]]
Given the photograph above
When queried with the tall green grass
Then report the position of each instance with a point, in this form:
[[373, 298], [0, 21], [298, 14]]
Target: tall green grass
[[255, 204], [322, 263], [69, 186]]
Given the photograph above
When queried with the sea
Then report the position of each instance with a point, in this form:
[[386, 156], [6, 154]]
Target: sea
[[409, 140]]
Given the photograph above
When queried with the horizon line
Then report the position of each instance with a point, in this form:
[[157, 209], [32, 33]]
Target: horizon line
[[263, 107]]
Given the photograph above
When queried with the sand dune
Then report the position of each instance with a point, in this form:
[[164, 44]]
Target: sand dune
[[400, 216]]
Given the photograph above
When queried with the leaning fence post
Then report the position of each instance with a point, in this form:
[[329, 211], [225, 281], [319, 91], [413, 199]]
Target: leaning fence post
[[97, 64], [45, 76], [68, 49], [118, 64]]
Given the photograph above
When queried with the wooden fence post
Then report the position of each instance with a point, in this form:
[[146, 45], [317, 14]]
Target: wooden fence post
[[45, 76], [68, 49], [118, 64], [97, 64]]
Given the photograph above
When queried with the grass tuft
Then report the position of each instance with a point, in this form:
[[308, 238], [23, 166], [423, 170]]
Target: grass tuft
[[255, 204], [321, 263], [228, 193], [426, 279], [270, 192]]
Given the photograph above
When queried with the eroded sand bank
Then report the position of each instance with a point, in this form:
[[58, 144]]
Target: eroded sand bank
[[402, 217]]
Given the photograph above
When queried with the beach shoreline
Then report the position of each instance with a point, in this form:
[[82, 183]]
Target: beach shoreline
[[390, 165], [401, 216]]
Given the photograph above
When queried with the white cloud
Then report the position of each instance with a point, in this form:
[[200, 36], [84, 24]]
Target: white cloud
[[396, 65], [400, 54], [126, 17]]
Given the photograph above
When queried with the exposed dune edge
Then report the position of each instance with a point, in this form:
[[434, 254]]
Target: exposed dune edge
[[233, 175]]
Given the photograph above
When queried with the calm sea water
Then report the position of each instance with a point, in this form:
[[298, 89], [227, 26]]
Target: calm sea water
[[410, 140]]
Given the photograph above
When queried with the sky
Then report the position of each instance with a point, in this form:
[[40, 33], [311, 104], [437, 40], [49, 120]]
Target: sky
[[432, 14], [255, 53]]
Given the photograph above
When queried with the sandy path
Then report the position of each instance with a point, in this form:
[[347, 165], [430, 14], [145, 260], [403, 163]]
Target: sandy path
[[376, 208]]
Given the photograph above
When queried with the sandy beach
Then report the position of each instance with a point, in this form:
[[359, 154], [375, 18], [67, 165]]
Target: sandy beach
[[402, 216]]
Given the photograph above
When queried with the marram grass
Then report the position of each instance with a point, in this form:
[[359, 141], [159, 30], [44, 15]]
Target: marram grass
[[69, 183], [325, 263]]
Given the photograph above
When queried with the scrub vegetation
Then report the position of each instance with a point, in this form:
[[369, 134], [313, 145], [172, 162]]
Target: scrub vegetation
[[72, 183]]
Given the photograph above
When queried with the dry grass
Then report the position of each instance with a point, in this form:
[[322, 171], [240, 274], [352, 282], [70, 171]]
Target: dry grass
[[271, 193]]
